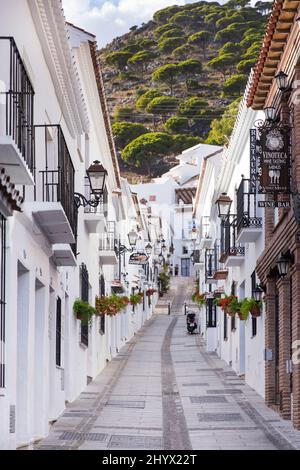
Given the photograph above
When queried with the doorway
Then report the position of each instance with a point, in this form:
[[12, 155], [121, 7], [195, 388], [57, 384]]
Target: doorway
[[23, 405], [185, 267]]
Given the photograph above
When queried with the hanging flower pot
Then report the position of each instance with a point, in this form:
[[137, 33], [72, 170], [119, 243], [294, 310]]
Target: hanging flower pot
[[255, 311], [83, 311]]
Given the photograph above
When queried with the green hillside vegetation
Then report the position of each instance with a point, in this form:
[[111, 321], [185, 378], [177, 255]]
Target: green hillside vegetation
[[176, 81]]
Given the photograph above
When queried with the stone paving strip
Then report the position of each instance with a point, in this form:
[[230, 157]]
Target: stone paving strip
[[164, 392]]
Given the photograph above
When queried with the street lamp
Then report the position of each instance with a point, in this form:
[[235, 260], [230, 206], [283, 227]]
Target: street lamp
[[132, 237], [194, 234], [270, 113], [283, 264], [96, 174], [281, 80], [224, 204], [257, 293], [148, 249]]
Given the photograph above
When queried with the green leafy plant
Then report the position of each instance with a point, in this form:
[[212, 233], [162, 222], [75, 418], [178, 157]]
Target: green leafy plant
[[136, 299], [83, 311], [252, 306]]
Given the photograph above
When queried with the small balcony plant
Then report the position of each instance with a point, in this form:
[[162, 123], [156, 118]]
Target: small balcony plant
[[84, 311]]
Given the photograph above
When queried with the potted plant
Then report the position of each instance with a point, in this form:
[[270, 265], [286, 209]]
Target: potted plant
[[224, 304], [234, 306], [252, 306], [244, 310], [83, 311], [198, 298], [135, 299]]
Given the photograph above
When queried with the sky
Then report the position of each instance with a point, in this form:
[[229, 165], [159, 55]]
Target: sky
[[111, 18]]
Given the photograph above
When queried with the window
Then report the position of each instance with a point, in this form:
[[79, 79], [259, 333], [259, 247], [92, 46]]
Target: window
[[233, 292], [102, 293], [2, 299], [152, 198], [58, 331], [84, 278], [225, 327], [185, 250], [253, 320], [211, 314]]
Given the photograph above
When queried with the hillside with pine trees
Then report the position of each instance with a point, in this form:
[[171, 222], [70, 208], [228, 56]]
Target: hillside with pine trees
[[177, 80]]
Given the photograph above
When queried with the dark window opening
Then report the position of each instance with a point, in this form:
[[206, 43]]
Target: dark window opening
[[58, 331], [225, 327], [211, 314], [233, 319], [253, 320], [84, 278]]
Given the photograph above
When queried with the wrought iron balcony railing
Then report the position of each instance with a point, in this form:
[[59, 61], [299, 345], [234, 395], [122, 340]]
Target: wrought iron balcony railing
[[229, 245], [55, 173], [246, 208], [16, 100], [108, 239], [209, 264]]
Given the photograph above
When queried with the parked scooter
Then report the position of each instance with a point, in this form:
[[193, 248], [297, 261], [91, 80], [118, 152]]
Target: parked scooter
[[191, 323]]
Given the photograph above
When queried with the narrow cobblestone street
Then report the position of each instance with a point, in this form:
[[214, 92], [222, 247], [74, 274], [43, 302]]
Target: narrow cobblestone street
[[163, 391]]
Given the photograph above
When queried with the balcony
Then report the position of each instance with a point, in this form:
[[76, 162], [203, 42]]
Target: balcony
[[95, 217], [220, 271], [205, 238], [232, 252], [249, 226], [107, 245], [16, 115], [54, 210], [210, 266], [63, 255]]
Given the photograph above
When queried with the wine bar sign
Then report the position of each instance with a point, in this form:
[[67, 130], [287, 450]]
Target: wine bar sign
[[273, 160]]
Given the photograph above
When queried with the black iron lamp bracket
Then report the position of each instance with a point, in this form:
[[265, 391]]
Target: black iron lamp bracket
[[81, 200], [121, 249]]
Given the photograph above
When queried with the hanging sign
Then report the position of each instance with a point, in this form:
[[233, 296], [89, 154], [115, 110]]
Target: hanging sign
[[138, 258], [253, 168], [273, 159]]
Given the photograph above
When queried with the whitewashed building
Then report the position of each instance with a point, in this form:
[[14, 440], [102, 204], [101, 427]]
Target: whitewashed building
[[229, 250], [53, 126], [170, 198]]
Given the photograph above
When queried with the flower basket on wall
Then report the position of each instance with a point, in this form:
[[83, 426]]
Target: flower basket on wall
[[111, 305], [83, 311], [251, 305], [136, 299]]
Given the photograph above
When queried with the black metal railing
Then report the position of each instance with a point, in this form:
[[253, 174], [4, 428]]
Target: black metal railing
[[229, 245], [55, 181], [196, 256], [2, 298], [108, 240], [211, 314], [209, 263], [84, 282], [246, 207], [101, 207], [18, 101], [58, 332]]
